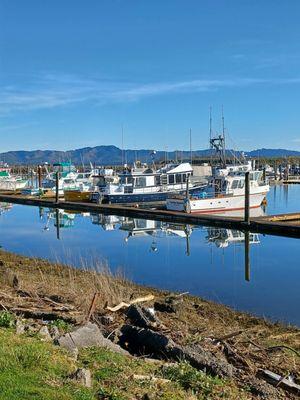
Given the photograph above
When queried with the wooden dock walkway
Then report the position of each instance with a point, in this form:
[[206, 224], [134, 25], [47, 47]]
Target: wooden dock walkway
[[280, 225]]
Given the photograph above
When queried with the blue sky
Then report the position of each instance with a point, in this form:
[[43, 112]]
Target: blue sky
[[72, 72]]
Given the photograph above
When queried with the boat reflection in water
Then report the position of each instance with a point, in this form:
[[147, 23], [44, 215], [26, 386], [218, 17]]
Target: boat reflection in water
[[5, 207], [222, 237], [157, 230]]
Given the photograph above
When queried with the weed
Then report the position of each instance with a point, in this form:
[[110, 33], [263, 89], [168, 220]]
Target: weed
[[7, 320], [62, 325]]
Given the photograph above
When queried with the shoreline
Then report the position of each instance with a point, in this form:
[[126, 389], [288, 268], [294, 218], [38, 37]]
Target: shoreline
[[41, 291]]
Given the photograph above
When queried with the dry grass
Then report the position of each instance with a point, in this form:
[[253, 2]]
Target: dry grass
[[74, 286]]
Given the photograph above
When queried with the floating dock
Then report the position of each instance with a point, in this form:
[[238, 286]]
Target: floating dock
[[280, 225]]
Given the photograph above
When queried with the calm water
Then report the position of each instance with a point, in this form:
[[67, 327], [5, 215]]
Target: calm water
[[204, 261]]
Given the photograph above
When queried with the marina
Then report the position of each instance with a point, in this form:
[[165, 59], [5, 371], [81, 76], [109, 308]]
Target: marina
[[282, 225], [207, 261], [149, 200]]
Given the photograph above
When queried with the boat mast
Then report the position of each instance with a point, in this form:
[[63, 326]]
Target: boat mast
[[223, 134], [191, 153], [210, 134], [122, 145], [218, 143]]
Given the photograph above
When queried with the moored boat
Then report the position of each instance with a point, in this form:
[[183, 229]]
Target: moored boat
[[225, 192], [9, 181], [147, 185], [82, 193]]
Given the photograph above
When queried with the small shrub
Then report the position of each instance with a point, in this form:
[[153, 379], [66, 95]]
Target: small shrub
[[7, 320], [62, 325]]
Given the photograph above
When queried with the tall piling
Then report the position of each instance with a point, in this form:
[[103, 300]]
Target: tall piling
[[40, 177], [247, 198], [56, 187]]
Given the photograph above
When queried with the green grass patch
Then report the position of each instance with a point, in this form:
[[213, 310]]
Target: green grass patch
[[31, 369], [201, 385], [114, 376]]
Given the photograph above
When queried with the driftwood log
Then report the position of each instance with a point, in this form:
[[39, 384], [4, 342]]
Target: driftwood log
[[145, 341]]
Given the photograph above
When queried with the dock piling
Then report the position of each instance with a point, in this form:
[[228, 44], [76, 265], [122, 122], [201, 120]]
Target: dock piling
[[56, 187], [187, 188], [40, 177], [247, 198]]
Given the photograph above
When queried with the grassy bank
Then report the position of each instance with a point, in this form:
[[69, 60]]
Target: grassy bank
[[30, 368]]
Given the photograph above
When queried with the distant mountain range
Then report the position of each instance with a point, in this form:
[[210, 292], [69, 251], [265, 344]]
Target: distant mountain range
[[112, 155]]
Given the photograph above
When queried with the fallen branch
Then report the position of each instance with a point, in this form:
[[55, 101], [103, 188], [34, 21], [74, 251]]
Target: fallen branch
[[284, 347], [229, 336], [278, 380], [150, 378], [47, 315], [92, 306], [149, 297]]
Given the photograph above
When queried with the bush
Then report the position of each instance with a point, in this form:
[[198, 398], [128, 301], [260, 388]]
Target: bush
[[7, 320]]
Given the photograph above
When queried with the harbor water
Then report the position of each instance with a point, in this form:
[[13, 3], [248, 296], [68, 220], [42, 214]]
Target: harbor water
[[208, 262]]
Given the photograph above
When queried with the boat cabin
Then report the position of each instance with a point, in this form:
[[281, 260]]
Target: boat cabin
[[64, 168], [235, 181]]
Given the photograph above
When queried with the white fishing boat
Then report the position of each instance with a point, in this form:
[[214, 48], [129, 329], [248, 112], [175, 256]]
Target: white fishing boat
[[9, 181], [226, 188], [69, 179], [225, 192], [144, 184]]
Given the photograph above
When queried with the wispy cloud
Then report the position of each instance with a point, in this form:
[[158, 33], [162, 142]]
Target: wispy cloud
[[15, 127], [52, 90]]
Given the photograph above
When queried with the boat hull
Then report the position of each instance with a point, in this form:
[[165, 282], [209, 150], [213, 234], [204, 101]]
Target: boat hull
[[76, 195], [126, 198], [216, 204], [13, 184]]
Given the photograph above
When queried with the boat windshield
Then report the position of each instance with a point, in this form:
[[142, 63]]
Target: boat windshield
[[126, 180], [256, 176]]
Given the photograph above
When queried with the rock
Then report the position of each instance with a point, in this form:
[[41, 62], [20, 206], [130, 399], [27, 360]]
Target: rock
[[54, 332], [106, 319], [20, 327], [1, 263], [141, 317], [87, 336], [205, 360], [170, 305], [83, 377], [44, 333], [74, 353]]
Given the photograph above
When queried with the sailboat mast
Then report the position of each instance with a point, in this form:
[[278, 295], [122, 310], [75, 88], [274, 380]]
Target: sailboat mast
[[210, 135], [223, 134], [122, 145]]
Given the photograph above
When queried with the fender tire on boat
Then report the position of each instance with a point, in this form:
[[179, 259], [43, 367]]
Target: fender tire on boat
[[187, 207]]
